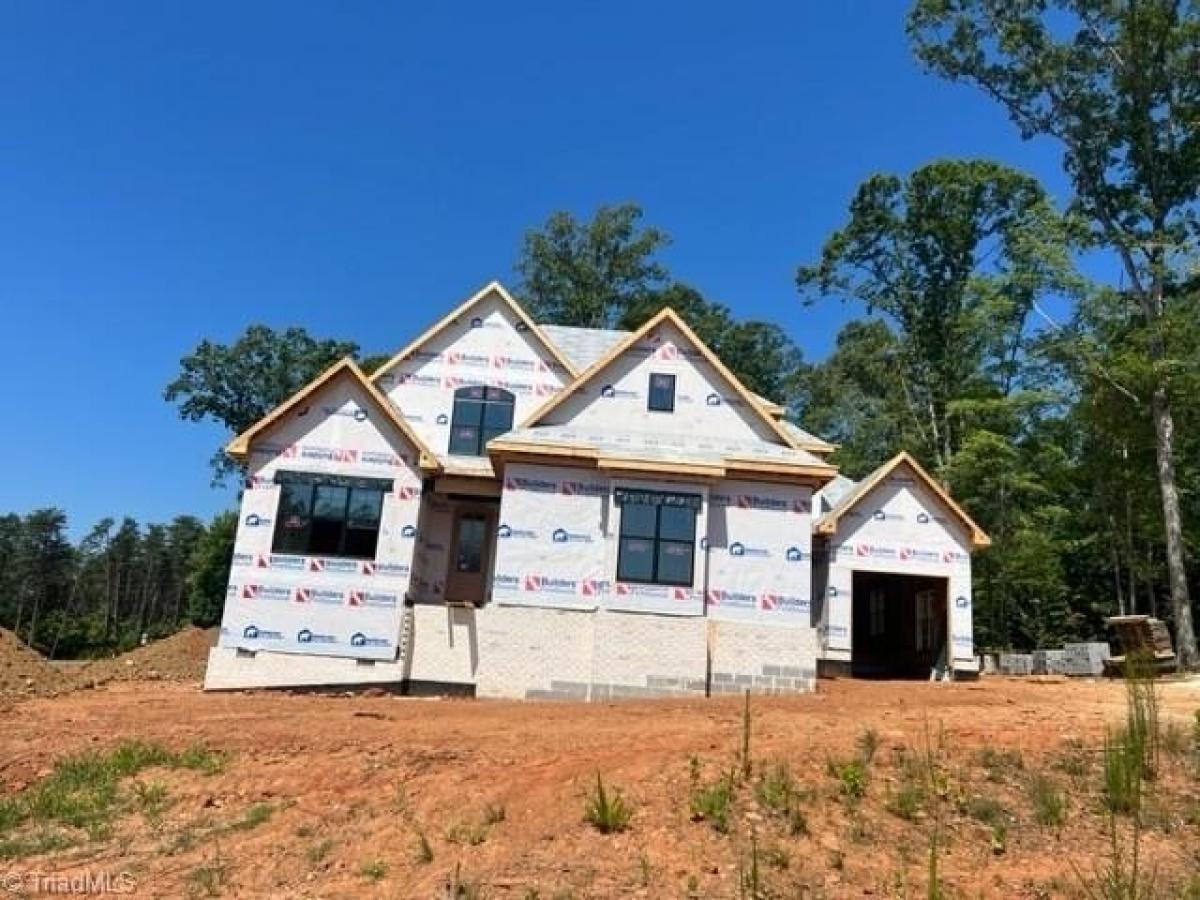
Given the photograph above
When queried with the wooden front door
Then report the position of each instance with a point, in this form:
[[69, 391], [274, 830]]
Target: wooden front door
[[471, 549]]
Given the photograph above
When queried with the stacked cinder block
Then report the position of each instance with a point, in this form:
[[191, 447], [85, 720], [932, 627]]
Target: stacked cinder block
[[1016, 663], [1049, 662], [1085, 658]]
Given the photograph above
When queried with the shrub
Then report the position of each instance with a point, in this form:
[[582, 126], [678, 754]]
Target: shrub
[[777, 789], [607, 812], [851, 776]]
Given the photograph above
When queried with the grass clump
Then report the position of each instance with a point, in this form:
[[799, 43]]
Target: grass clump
[[908, 799], [606, 811], [494, 814], [867, 743], [458, 888], [471, 834], [255, 815], [84, 791], [152, 800], [779, 792], [1048, 801], [1001, 764], [712, 803], [317, 852], [373, 869], [777, 789], [211, 876], [424, 848], [851, 776], [475, 833]]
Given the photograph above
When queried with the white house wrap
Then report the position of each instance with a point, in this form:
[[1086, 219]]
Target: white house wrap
[[516, 510]]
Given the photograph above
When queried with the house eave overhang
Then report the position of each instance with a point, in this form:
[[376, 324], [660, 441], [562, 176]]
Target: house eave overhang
[[502, 451]]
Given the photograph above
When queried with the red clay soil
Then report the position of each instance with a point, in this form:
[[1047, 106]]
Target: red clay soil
[[325, 796], [180, 657], [24, 672]]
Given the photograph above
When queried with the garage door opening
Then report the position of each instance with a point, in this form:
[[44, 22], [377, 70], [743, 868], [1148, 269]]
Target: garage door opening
[[898, 625]]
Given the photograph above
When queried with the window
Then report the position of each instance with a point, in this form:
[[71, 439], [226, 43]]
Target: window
[[658, 537], [662, 392], [480, 413], [328, 515]]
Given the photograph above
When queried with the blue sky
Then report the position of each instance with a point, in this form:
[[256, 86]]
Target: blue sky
[[170, 172]]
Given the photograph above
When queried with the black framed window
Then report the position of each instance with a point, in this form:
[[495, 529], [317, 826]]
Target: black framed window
[[480, 414], [661, 396], [657, 537], [328, 515]]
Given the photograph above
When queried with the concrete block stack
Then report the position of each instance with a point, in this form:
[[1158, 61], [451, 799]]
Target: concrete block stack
[[1086, 658], [1049, 662], [1016, 663]]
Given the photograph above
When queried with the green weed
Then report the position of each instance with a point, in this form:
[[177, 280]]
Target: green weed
[[373, 869], [1049, 803], [606, 811], [712, 803]]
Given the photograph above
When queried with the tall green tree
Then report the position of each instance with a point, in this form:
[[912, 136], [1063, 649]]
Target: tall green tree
[[208, 573], [236, 384], [1115, 83], [954, 257], [854, 399], [605, 273], [587, 273]]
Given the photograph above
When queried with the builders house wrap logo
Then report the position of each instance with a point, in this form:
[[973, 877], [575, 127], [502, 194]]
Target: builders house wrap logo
[[507, 531], [548, 584], [797, 505], [562, 536]]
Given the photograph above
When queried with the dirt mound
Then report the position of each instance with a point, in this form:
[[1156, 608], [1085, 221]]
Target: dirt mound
[[25, 672], [180, 657]]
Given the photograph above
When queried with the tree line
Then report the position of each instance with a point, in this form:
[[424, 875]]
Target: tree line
[[121, 582]]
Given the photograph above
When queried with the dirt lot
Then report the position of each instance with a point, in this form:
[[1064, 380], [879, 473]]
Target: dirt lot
[[326, 796]]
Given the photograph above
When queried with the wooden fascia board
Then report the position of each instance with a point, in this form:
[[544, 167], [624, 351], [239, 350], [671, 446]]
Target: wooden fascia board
[[978, 537], [591, 371], [666, 314], [239, 447], [461, 310]]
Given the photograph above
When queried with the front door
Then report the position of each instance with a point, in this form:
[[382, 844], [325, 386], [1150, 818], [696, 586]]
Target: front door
[[470, 554]]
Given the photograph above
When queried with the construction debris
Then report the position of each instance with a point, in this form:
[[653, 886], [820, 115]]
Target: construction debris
[[1142, 634]]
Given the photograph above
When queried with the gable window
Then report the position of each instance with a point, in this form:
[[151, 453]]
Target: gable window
[[662, 393], [657, 537], [480, 414], [328, 515]]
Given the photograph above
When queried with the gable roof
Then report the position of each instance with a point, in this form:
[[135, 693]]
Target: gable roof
[[492, 287], [239, 447], [669, 316], [828, 523]]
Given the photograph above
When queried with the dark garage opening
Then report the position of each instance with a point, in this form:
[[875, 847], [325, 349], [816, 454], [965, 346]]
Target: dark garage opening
[[898, 625]]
